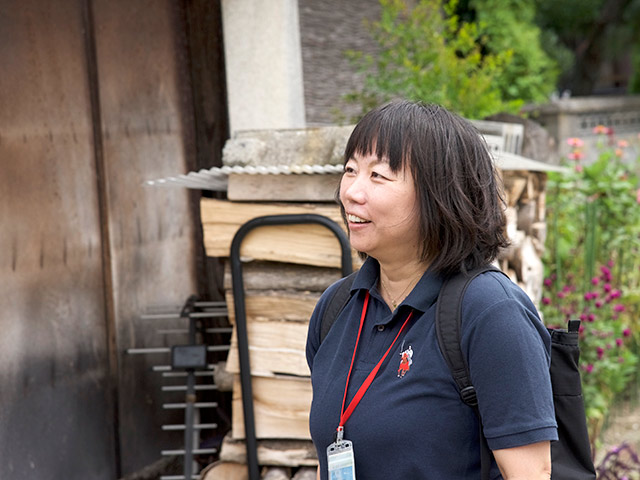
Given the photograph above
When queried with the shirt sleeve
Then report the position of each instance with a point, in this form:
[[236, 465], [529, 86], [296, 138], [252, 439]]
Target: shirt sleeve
[[508, 350]]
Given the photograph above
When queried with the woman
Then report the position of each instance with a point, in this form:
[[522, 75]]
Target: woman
[[421, 201]]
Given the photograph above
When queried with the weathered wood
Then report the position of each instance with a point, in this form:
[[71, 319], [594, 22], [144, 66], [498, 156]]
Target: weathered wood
[[224, 470], [292, 188], [514, 185], [291, 453], [529, 267], [539, 232], [275, 305], [281, 407], [283, 276], [301, 244], [527, 215], [276, 473], [222, 378], [274, 348]]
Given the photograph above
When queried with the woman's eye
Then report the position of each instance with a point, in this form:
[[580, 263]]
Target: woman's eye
[[377, 175], [348, 169]]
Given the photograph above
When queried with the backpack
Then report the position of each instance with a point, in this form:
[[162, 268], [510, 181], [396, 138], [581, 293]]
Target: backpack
[[571, 454]]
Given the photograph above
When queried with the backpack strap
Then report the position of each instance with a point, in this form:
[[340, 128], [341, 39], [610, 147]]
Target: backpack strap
[[448, 331], [336, 303]]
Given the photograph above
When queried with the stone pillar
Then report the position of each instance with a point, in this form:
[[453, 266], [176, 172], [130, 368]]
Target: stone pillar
[[263, 64]]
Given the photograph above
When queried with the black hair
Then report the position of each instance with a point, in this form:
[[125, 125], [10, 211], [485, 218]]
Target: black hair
[[462, 220]]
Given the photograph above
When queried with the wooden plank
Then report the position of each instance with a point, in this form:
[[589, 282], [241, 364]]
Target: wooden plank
[[287, 453], [223, 470], [275, 305], [281, 407], [274, 348], [289, 188], [283, 276], [301, 244]]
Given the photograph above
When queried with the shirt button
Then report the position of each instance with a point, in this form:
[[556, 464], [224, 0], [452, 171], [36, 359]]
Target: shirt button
[[381, 328]]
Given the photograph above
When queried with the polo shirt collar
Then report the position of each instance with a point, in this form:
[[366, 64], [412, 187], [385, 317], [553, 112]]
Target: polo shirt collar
[[420, 298]]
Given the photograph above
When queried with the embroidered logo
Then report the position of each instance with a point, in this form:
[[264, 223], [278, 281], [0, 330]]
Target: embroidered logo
[[405, 362]]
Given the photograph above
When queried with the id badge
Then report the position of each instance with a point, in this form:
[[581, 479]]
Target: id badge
[[340, 461]]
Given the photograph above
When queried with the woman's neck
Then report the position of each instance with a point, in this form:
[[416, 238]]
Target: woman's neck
[[397, 279]]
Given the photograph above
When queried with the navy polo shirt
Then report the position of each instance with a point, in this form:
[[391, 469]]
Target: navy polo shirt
[[411, 422]]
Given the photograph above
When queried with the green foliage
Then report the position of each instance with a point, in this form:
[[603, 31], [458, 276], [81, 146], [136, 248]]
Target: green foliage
[[571, 27], [592, 266], [427, 53], [510, 25]]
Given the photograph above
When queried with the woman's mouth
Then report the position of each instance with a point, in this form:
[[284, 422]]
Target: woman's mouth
[[356, 219]]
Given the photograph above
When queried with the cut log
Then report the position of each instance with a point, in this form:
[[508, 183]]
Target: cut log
[[288, 453], [274, 348], [514, 185], [527, 215], [530, 270], [291, 188], [275, 305], [539, 232], [302, 244], [283, 276], [281, 407], [222, 378], [276, 473], [225, 471]]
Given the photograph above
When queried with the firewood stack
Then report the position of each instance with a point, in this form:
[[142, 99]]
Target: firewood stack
[[286, 268]]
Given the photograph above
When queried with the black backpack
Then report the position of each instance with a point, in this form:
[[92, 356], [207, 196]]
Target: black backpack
[[571, 454]]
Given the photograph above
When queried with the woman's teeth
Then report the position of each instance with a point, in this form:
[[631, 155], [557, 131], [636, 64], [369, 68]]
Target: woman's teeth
[[354, 219]]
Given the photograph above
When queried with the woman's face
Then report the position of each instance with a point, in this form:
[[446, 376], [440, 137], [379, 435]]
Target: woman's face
[[382, 209]]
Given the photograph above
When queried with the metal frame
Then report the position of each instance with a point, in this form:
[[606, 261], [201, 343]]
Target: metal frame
[[240, 311]]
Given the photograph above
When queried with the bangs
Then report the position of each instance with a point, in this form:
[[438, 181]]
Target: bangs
[[386, 133]]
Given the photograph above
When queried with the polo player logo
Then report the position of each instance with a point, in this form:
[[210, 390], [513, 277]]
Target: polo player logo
[[405, 362]]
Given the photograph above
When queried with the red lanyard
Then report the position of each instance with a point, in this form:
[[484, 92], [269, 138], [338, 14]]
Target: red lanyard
[[344, 415]]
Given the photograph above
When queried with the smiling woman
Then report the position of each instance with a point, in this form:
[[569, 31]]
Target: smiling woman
[[421, 201]]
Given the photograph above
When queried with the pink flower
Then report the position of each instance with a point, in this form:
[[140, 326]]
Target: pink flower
[[616, 294], [561, 294], [591, 317], [581, 329], [595, 281], [626, 332], [599, 304], [623, 143], [606, 273], [618, 308], [600, 130], [578, 168], [575, 142], [600, 351], [583, 317], [607, 287], [589, 368], [548, 282], [546, 301], [576, 155], [619, 342]]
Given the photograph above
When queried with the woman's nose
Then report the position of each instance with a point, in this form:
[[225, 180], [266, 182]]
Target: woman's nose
[[352, 189]]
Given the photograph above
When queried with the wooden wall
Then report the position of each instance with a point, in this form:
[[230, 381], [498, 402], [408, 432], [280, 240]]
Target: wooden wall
[[96, 97]]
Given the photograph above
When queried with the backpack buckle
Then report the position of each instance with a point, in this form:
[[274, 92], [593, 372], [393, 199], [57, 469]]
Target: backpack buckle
[[468, 396]]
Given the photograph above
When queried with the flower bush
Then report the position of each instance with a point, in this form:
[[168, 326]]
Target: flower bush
[[620, 463], [593, 265]]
